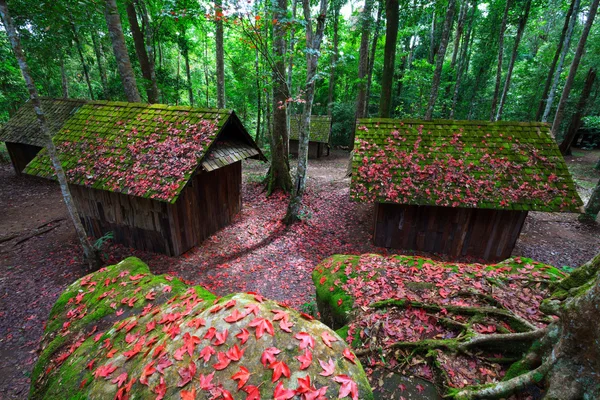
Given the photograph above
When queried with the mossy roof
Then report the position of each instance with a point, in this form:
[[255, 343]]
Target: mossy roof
[[144, 150], [320, 128], [23, 126], [476, 164]]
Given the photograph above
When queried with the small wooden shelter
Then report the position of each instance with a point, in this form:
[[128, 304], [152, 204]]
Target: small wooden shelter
[[459, 188], [161, 178], [320, 129], [22, 134]]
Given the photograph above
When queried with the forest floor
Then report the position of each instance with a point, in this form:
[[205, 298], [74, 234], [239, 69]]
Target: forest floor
[[39, 255]]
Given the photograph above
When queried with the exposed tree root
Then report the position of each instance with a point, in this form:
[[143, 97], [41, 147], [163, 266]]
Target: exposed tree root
[[480, 340], [504, 314]]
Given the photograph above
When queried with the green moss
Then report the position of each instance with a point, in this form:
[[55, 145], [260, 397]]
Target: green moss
[[516, 369]]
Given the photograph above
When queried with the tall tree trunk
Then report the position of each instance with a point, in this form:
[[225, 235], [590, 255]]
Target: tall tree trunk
[[363, 65], [313, 47], [462, 16], [279, 173], [561, 61], [392, 15], [64, 82], [500, 57], [336, 22], [258, 139], [219, 54], [592, 208], [115, 31], [557, 54], [560, 111], [185, 51], [513, 58], [463, 63], [100, 64], [575, 124], [441, 53], [82, 59], [149, 42], [92, 255], [378, 22], [432, 49], [142, 55], [292, 45]]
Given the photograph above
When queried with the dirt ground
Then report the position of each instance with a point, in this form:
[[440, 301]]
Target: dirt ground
[[39, 255]]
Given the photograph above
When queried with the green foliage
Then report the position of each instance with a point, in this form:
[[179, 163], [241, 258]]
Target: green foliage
[[4, 157], [105, 238], [341, 127]]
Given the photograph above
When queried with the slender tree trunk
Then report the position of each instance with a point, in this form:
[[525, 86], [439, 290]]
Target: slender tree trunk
[[560, 111], [279, 173], [513, 58], [363, 65], [313, 45], [500, 57], [115, 31], [64, 82], [462, 16], [463, 63], [432, 49], [557, 54], [565, 146], [219, 54], [292, 45], [100, 63], [149, 43], [373, 52], [142, 55], [336, 38], [437, 75], [592, 208], [561, 61], [82, 59], [184, 46], [392, 15], [258, 139], [92, 255]]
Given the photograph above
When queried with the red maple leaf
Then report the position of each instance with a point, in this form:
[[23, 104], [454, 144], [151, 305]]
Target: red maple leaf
[[305, 359], [243, 335], [119, 380], [206, 353], [235, 316], [241, 376], [348, 388], [279, 368], [146, 372], [253, 392], [223, 361], [327, 338], [230, 303], [285, 326], [160, 389], [187, 374], [251, 308], [268, 356], [305, 340], [185, 395], [262, 325], [104, 371], [163, 363], [220, 338], [206, 381], [196, 323], [280, 315], [328, 367], [190, 342], [282, 393], [234, 353], [349, 355]]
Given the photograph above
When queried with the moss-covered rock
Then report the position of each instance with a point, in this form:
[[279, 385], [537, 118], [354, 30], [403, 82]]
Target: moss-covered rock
[[124, 333]]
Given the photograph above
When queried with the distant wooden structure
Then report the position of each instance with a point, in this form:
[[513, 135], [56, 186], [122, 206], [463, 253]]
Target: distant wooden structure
[[163, 179], [22, 134], [457, 188], [320, 130]]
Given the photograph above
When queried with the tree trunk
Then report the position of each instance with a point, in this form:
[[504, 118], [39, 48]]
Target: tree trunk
[[513, 58], [64, 82], [279, 173], [258, 139], [149, 42], [184, 46], [557, 54], [334, 55], [142, 55], [565, 146], [462, 16], [82, 59], [292, 45], [115, 31], [100, 63], [441, 53], [313, 47], [432, 49], [363, 65], [463, 63], [560, 111], [91, 255], [219, 54], [500, 57], [372, 56], [561, 61], [392, 15]]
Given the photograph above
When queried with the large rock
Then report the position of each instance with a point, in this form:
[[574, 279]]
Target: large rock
[[124, 333]]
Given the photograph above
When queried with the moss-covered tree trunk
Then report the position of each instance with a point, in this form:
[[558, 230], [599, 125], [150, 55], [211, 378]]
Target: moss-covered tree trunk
[[592, 208]]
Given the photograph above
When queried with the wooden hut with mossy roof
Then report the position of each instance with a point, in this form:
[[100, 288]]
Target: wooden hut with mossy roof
[[320, 130], [22, 134], [160, 178], [458, 188]]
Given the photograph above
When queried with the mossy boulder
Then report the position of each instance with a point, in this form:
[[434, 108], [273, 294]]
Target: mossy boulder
[[124, 333]]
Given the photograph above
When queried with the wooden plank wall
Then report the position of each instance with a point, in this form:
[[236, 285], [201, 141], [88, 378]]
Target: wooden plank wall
[[315, 149], [21, 154], [458, 232], [208, 203], [135, 222]]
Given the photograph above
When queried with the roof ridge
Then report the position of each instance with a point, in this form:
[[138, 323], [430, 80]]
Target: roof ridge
[[160, 106], [366, 121]]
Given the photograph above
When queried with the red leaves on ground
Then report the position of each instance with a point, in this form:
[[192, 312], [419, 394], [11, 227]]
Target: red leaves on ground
[[206, 353], [223, 361], [234, 353], [262, 325], [206, 381], [328, 338], [306, 340], [235, 316], [268, 356], [282, 393], [348, 388], [187, 374], [220, 338], [279, 368], [253, 392], [185, 395], [328, 367], [243, 335], [241, 376], [146, 372], [104, 371], [119, 380], [305, 359]]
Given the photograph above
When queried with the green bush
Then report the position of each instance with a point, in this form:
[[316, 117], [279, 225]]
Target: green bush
[[342, 119]]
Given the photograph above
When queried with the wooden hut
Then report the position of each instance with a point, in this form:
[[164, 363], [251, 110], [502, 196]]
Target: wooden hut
[[320, 129], [459, 188], [22, 134], [161, 178]]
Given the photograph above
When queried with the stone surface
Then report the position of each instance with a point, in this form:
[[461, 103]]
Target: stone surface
[[178, 341]]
